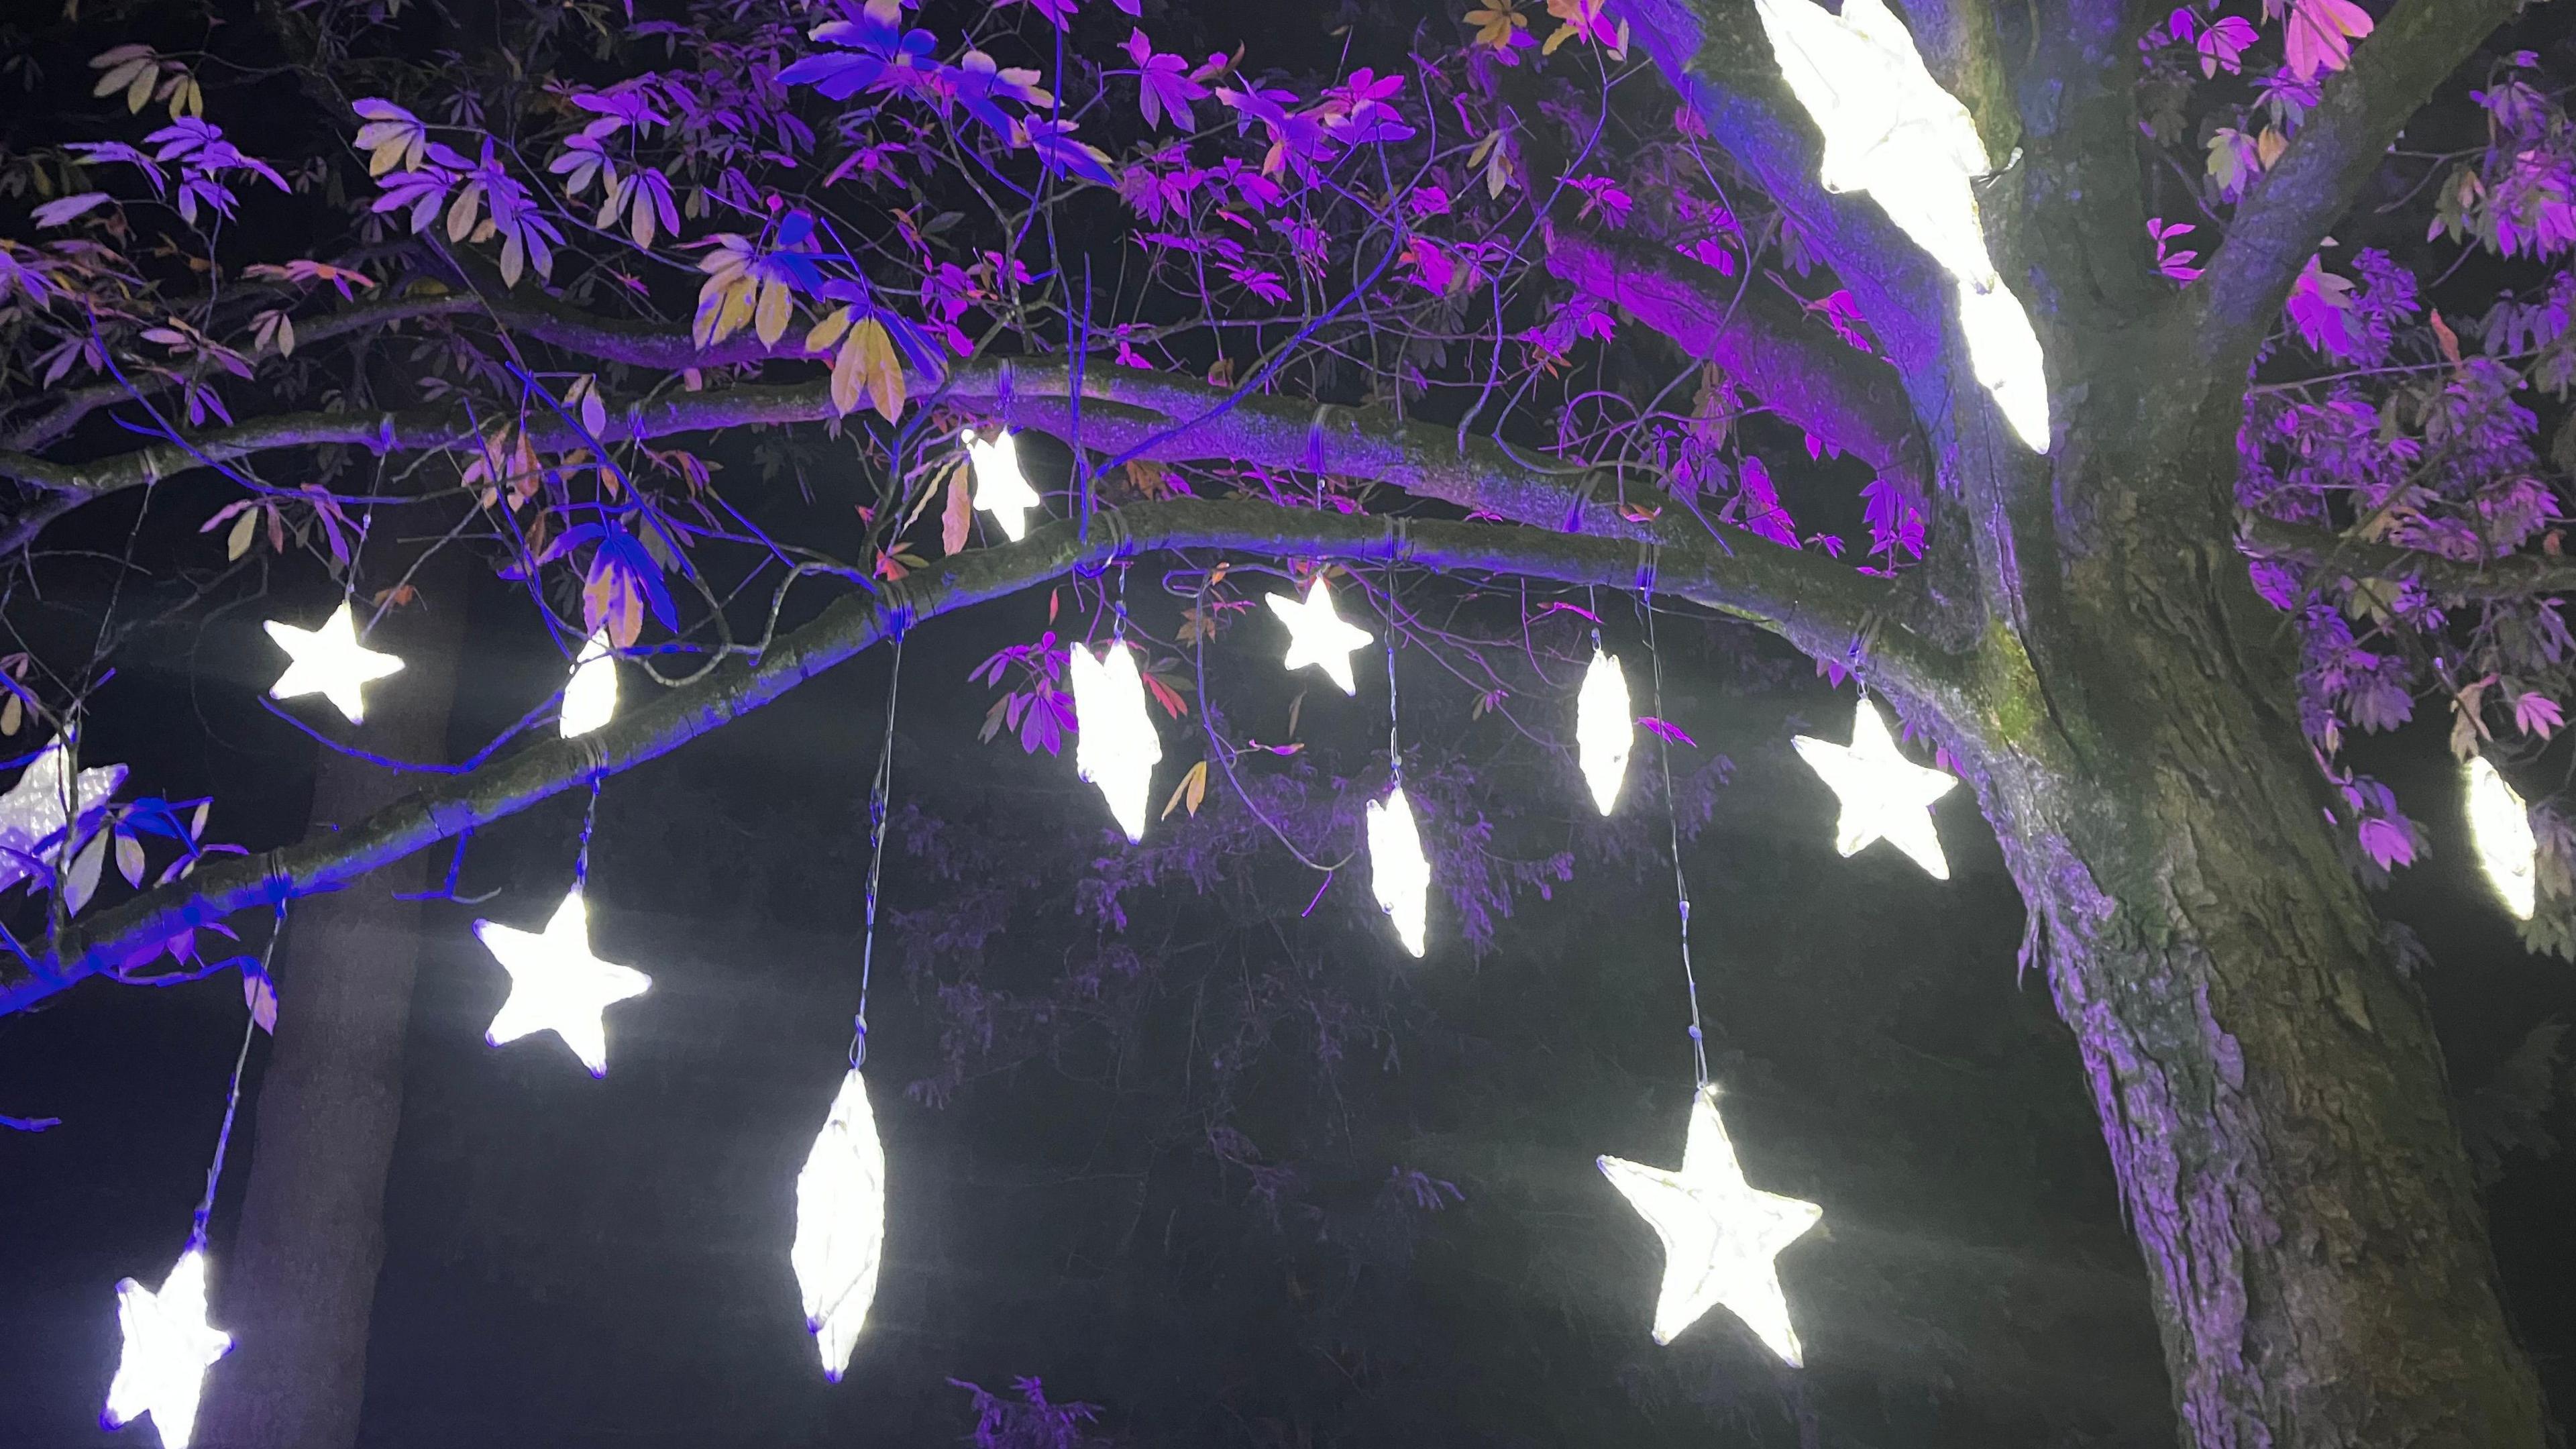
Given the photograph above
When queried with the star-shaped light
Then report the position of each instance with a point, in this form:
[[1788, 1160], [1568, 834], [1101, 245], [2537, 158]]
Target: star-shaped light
[[1721, 1234], [556, 985], [1885, 796], [1317, 635], [1115, 746], [1398, 874], [1604, 730], [1000, 488], [840, 1225], [168, 1348], [33, 809], [590, 696], [2500, 827], [1892, 131], [329, 661]]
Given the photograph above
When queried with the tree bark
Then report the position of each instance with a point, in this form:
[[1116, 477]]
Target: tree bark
[[301, 1280], [2269, 1085]]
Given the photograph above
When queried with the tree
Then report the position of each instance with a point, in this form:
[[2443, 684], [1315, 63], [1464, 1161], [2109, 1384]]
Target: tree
[[1446, 304]]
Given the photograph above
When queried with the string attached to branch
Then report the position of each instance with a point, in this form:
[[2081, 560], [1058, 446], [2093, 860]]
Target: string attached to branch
[[840, 1193], [1673, 824], [232, 1094]]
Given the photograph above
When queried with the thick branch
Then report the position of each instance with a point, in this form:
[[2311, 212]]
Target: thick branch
[[2518, 577], [1820, 609], [1763, 340], [2357, 117]]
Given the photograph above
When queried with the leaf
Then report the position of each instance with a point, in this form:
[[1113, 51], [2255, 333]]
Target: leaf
[[1190, 792], [260, 995], [81, 881], [129, 859], [12, 714], [770, 317], [957, 518]]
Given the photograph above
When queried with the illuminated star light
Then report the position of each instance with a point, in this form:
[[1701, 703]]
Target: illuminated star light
[[556, 985], [329, 661], [1604, 730], [1722, 1236], [2500, 825], [1397, 872], [1000, 488], [590, 695], [168, 1348], [1884, 795], [1317, 635], [1892, 132], [33, 811], [840, 1226], [1115, 746]]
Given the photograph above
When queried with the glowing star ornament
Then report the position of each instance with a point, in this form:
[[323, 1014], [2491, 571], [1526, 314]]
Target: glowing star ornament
[[168, 1348], [840, 1225], [1721, 1234], [1884, 795], [2500, 827], [330, 662], [556, 985], [1892, 132], [1115, 746], [1604, 730], [1000, 488], [1317, 635], [590, 696], [1398, 873], [34, 808]]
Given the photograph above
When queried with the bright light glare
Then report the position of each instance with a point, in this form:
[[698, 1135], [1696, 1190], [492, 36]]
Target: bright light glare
[[1115, 746], [1884, 795], [1604, 730], [556, 985], [1397, 871], [2500, 824], [840, 1225], [1000, 488], [168, 1348], [590, 696], [330, 662]]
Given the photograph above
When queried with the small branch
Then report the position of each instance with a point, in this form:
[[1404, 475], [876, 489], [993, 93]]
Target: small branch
[[2338, 147], [1764, 340], [1816, 605], [2520, 576]]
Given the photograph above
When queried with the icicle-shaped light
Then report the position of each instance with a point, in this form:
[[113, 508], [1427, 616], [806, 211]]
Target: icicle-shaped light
[[2500, 826], [590, 696], [1317, 635], [1604, 728], [1722, 1235], [556, 985], [168, 1348], [1398, 873], [1115, 746], [330, 662], [1892, 131], [1884, 795], [840, 1225], [1000, 488]]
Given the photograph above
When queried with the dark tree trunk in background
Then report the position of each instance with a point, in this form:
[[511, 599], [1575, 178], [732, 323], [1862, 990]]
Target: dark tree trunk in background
[[301, 1276]]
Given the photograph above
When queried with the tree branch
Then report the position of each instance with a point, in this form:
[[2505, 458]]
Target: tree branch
[[2341, 143], [2517, 577], [1823, 610], [1765, 341]]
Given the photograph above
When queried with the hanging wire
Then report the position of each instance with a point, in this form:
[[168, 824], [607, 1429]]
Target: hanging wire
[[589, 818], [1394, 748], [878, 792], [1673, 820], [232, 1097]]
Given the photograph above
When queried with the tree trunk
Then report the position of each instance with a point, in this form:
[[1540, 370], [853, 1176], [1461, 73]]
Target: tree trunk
[[301, 1279], [2269, 1084]]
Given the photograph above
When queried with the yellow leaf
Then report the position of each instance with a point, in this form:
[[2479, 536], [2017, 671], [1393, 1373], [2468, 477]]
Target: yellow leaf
[[849, 376], [2269, 146], [956, 520], [12, 715], [1191, 791], [884, 369], [236, 543], [776, 303], [141, 89], [828, 331]]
